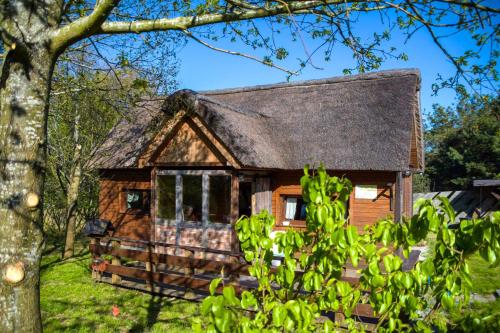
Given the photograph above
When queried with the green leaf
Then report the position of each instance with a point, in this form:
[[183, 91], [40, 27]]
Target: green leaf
[[214, 284], [248, 300], [279, 315], [378, 281], [230, 295], [388, 263], [206, 305], [299, 241], [352, 235], [491, 256], [386, 237], [447, 301], [407, 280], [339, 239], [317, 280], [353, 253], [249, 255], [222, 322]]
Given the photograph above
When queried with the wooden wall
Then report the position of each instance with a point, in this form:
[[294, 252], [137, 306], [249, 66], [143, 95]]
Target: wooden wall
[[111, 202], [361, 211]]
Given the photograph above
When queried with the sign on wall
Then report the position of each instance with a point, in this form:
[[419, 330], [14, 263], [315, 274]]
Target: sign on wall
[[365, 192]]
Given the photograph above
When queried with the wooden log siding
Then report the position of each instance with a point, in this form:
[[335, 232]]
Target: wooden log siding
[[361, 211], [112, 185]]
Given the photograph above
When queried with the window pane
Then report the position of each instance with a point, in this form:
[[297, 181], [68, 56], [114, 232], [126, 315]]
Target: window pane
[[191, 197], [291, 208], [300, 213], [134, 199], [219, 198], [295, 209], [166, 197]]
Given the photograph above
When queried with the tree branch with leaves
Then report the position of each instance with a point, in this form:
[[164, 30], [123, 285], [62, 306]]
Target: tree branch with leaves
[[303, 293]]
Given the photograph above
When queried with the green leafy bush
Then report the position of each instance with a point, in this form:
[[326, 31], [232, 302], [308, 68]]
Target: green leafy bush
[[297, 296]]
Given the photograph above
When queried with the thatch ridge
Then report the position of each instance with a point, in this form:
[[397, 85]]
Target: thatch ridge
[[316, 82]]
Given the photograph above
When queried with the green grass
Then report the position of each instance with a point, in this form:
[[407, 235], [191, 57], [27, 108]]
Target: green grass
[[485, 279], [487, 316], [72, 302]]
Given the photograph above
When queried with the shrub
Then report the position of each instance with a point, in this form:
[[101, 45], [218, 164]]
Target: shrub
[[286, 301]]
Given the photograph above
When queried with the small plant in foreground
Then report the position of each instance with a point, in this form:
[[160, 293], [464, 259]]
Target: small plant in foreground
[[289, 301]]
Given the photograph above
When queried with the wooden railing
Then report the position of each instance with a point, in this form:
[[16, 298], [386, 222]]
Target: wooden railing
[[159, 269]]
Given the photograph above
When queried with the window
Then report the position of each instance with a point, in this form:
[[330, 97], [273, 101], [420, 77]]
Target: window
[[219, 196], [136, 201], [294, 210], [166, 197], [194, 196]]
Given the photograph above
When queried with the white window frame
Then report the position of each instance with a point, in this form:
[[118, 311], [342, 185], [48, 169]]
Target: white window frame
[[179, 221]]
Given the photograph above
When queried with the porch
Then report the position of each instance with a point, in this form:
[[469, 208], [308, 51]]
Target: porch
[[136, 265]]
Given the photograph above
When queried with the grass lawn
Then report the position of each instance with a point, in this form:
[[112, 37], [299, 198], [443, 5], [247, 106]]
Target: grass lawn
[[485, 279], [72, 302]]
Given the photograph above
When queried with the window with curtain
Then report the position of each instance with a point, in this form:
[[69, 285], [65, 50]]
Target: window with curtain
[[294, 210]]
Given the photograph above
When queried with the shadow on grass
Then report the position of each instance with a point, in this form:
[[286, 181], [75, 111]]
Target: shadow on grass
[[80, 256], [154, 308], [75, 318]]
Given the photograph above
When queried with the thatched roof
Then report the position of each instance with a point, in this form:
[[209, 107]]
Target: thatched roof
[[359, 122]]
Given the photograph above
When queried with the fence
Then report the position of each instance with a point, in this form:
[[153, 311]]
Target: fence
[[136, 264], [465, 203]]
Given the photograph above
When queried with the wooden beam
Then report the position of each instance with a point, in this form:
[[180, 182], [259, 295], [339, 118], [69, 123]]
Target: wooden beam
[[398, 197], [235, 191], [170, 278], [178, 261], [116, 261]]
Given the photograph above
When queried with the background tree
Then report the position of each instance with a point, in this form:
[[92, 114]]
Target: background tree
[[463, 143], [421, 183], [90, 94], [35, 33], [85, 105]]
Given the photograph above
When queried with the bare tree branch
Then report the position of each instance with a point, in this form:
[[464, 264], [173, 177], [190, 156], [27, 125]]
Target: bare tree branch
[[190, 35]]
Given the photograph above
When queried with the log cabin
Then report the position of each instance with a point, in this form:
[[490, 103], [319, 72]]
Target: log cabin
[[181, 170]]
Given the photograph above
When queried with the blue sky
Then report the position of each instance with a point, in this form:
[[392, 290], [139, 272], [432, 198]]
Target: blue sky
[[205, 69]]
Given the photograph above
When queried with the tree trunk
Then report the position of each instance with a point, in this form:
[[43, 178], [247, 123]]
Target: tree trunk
[[24, 91], [72, 194]]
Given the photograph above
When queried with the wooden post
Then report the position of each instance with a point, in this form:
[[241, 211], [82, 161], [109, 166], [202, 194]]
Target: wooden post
[[116, 260], [94, 256], [188, 270], [398, 196], [235, 191], [150, 268], [153, 205]]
